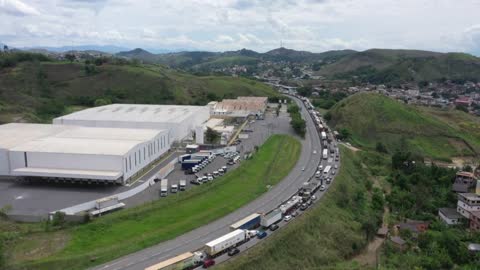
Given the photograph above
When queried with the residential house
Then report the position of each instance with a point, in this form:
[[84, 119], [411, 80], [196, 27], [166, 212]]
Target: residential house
[[464, 182], [414, 226], [450, 216], [467, 203]]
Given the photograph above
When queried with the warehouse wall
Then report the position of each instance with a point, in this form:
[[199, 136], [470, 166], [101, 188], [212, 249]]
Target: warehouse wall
[[4, 163], [144, 154], [65, 161]]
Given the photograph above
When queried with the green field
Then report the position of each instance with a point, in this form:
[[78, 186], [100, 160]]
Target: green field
[[325, 235], [38, 91], [373, 118], [133, 229]]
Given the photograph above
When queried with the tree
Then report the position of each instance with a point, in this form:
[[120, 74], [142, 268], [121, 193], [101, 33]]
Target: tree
[[99, 61], [381, 148], [102, 102], [344, 134], [4, 210], [90, 69], [211, 135], [462, 108], [468, 168], [70, 57], [58, 219], [305, 91]]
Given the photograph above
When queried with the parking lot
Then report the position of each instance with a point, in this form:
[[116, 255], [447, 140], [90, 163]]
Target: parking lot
[[261, 131], [33, 201]]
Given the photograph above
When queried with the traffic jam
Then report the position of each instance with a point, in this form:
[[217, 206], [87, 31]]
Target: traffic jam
[[257, 226]]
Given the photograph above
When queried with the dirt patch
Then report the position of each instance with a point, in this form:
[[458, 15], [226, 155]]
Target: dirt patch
[[353, 148], [38, 246], [462, 161]]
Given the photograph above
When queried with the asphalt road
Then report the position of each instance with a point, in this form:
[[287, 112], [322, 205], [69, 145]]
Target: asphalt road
[[195, 239]]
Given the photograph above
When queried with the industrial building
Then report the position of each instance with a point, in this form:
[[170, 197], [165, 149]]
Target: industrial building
[[240, 107], [73, 153], [180, 121]]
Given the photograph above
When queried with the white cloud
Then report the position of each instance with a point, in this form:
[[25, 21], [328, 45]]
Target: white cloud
[[17, 8], [316, 25]]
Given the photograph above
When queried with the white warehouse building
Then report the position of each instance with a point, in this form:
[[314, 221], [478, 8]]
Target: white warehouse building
[[78, 153], [179, 120]]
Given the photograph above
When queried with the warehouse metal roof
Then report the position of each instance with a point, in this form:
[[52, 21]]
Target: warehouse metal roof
[[136, 113], [77, 146], [72, 139]]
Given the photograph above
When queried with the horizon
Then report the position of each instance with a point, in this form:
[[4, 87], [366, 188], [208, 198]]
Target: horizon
[[309, 25], [92, 47]]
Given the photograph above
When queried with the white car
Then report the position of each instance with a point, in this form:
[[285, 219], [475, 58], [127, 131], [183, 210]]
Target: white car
[[336, 166], [210, 178], [320, 167], [322, 188], [314, 152], [303, 168], [287, 218]]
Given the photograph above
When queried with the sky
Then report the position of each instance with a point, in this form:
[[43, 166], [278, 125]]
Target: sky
[[261, 25]]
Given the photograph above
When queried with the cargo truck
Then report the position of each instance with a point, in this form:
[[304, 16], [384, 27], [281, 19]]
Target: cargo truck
[[327, 170], [289, 205], [325, 153], [190, 163], [324, 135], [271, 218], [183, 185], [186, 260], [174, 188], [227, 241], [164, 188], [247, 223]]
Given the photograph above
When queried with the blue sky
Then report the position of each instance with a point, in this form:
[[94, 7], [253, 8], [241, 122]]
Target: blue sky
[[219, 25]]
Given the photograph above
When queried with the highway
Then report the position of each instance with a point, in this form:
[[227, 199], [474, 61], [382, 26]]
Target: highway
[[196, 239]]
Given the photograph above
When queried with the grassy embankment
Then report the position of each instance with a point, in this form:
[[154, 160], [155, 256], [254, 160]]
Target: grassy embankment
[[329, 236], [133, 229], [325, 235], [372, 118]]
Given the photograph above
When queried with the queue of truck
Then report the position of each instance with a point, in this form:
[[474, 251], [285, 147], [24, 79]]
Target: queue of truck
[[254, 225]]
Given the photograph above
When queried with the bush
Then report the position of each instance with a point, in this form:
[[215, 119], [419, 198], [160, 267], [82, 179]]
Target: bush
[[297, 122], [381, 148], [58, 219]]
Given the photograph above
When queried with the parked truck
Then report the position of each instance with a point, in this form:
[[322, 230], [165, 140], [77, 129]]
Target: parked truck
[[174, 188], [227, 241], [183, 185], [186, 260], [247, 223], [164, 188], [271, 218]]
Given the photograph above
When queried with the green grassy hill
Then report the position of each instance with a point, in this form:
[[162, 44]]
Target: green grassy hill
[[372, 118], [37, 91], [397, 66], [326, 235]]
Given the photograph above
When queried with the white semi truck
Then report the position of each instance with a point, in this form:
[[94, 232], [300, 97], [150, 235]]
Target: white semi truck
[[164, 188], [325, 153], [271, 218], [186, 260], [324, 135], [227, 241]]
